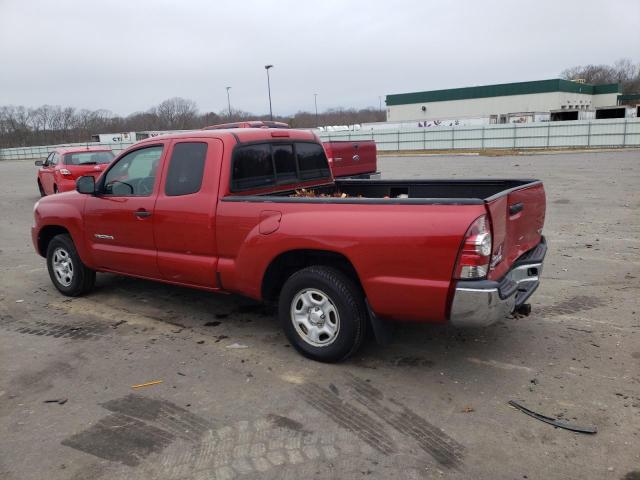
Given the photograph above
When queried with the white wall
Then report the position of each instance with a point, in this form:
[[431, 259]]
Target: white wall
[[484, 107]]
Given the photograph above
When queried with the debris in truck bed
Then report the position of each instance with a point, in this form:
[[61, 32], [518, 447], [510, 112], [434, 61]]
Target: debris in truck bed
[[303, 192], [553, 421]]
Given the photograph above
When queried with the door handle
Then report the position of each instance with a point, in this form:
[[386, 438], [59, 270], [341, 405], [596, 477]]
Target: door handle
[[516, 208], [142, 213]]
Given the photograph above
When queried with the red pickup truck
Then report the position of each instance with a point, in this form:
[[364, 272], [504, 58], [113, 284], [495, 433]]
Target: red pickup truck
[[257, 212]]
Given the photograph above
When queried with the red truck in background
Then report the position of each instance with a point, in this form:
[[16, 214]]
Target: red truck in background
[[352, 158], [63, 166], [224, 210]]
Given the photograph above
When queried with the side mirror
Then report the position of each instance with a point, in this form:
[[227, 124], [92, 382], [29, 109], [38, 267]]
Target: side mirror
[[86, 184], [39, 163]]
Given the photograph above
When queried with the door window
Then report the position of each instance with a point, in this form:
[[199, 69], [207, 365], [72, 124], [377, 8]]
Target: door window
[[134, 174], [186, 169]]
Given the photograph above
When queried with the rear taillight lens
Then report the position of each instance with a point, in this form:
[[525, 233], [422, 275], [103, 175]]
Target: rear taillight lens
[[475, 254], [64, 171]]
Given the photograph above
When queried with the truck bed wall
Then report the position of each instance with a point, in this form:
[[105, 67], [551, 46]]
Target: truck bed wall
[[480, 189]]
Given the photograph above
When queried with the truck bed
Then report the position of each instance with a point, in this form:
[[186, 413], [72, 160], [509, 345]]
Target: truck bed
[[457, 192], [516, 207]]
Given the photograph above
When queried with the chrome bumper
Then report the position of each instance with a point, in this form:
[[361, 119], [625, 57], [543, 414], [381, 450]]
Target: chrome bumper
[[482, 302]]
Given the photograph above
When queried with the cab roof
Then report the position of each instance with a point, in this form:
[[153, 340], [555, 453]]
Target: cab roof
[[239, 135]]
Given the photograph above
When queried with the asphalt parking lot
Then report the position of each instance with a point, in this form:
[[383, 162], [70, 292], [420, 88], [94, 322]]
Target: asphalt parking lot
[[237, 402]]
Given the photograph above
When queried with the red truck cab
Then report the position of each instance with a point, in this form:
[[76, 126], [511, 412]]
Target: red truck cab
[[353, 158], [257, 212], [63, 166]]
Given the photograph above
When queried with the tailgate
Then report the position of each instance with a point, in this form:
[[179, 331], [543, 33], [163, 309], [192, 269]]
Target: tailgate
[[517, 218], [351, 158]]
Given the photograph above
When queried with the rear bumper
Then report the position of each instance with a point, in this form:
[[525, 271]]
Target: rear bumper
[[478, 303]]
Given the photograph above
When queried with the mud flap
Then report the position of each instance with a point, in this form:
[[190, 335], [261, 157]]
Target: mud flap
[[382, 330]]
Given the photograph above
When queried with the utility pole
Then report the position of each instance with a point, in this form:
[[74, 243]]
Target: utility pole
[[315, 100], [229, 101], [267, 67]]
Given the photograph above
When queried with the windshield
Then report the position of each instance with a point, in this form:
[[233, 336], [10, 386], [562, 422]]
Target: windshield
[[88, 158]]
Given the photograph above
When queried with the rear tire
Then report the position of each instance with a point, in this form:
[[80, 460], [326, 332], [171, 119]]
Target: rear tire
[[322, 313], [69, 275], [40, 189]]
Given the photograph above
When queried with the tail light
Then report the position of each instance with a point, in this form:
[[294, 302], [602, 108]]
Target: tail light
[[475, 254], [64, 171]]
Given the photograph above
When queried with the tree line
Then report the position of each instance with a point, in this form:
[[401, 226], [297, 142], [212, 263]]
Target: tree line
[[623, 71], [50, 125]]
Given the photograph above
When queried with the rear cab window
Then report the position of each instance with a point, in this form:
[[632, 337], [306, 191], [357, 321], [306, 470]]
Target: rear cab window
[[264, 165]]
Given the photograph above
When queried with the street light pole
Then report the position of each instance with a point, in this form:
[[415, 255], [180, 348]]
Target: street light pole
[[267, 67], [315, 100], [229, 101]]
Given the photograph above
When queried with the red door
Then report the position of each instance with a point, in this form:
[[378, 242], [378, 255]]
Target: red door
[[119, 218], [46, 173], [185, 213]]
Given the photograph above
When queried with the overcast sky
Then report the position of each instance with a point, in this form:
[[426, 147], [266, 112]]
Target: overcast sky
[[127, 56]]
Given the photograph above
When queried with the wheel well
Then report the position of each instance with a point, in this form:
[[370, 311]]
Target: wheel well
[[46, 235], [286, 264]]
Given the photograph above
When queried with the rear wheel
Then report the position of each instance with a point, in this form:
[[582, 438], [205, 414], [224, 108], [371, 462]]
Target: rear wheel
[[322, 313], [69, 275], [40, 189]]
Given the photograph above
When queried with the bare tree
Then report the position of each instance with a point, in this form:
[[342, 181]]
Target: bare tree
[[623, 71], [177, 113]]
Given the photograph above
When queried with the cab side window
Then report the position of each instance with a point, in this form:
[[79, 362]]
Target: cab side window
[[186, 168], [134, 174]]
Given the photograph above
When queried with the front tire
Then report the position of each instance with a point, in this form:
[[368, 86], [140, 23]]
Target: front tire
[[322, 313], [40, 189], [69, 275]]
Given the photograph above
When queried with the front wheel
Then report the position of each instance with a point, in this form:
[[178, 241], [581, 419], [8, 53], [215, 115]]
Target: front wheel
[[69, 275], [322, 313], [40, 189]]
